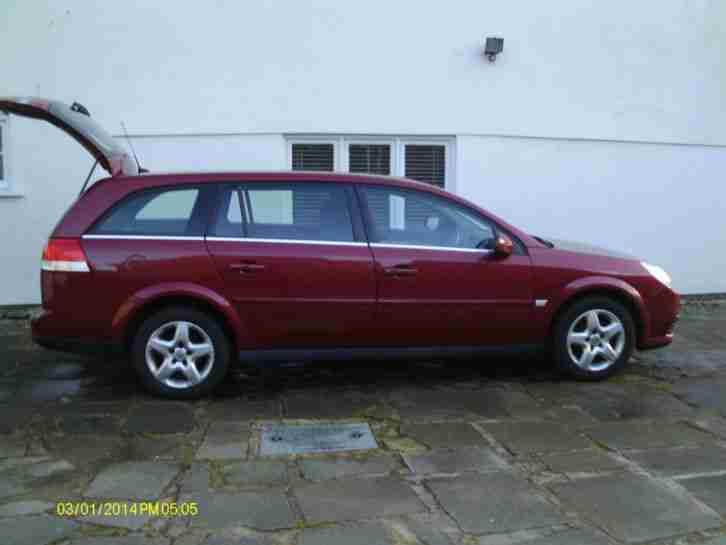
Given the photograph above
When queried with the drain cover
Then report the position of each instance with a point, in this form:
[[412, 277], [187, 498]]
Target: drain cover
[[280, 439]]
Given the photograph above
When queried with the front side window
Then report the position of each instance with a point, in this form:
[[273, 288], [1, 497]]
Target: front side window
[[165, 212], [300, 211], [414, 218]]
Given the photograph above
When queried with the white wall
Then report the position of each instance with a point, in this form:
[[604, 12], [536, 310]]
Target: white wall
[[215, 85], [616, 70], [50, 188], [663, 203]]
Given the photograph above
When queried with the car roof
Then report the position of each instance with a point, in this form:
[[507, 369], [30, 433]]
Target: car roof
[[154, 178]]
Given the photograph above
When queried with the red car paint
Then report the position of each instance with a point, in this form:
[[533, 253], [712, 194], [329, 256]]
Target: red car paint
[[329, 295]]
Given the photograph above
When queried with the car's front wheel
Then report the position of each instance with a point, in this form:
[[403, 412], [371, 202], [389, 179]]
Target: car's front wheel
[[594, 338], [180, 353]]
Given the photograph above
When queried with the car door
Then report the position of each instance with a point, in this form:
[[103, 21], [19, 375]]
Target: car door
[[295, 263], [439, 284]]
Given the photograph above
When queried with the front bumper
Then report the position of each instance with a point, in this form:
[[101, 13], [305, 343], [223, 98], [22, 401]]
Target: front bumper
[[664, 311]]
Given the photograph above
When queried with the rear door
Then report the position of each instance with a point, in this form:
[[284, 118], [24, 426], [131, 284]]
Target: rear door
[[152, 238], [439, 283], [295, 263]]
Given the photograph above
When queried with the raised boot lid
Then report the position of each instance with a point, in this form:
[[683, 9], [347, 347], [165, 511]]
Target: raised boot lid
[[76, 121]]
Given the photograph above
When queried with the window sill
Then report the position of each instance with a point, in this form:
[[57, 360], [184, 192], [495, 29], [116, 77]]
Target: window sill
[[9, 194]]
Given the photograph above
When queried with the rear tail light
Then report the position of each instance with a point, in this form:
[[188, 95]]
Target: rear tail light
[[64, 255]]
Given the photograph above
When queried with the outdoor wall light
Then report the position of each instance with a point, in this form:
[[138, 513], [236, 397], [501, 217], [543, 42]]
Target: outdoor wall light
[[493, 47]]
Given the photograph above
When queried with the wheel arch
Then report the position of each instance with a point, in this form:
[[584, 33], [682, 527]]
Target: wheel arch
[[617, 290], [139, 307]]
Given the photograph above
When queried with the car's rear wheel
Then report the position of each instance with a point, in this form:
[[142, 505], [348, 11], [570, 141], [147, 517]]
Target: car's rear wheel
[[180, 353], [594, 338]]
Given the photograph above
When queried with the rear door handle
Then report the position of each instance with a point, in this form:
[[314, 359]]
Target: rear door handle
[[247, 267], [400, 270]]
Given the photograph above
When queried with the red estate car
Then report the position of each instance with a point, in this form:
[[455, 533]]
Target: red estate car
[[188, 273]]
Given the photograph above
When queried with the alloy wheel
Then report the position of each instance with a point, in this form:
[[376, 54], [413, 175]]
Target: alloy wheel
[[180, 354], [595, 340]]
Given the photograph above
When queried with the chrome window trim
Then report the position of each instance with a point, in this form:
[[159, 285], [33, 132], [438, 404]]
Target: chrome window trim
[[439, 248], [142, 237], [287, 241]]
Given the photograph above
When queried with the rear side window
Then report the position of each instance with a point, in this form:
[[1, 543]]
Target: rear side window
[[309, 211], [162, 212]]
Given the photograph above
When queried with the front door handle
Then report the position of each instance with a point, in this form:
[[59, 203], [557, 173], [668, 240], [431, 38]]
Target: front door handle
[[246, 267], [400, 270]]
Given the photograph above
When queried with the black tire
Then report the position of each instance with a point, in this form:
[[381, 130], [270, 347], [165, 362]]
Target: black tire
[[209, 325], [561, 353]]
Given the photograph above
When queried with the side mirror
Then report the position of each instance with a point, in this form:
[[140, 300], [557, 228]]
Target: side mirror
[[503, 246]]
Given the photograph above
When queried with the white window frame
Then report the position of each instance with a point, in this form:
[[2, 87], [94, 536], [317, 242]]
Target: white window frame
[[342, 142]]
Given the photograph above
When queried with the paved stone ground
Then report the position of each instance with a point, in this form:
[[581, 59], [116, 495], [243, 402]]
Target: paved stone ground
[[487, 452]]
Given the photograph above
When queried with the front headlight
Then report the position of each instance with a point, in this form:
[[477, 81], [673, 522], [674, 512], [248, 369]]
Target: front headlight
[[658, 273]]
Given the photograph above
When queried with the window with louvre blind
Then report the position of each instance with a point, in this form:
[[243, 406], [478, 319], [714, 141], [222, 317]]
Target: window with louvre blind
[[426, 163], [426, 159], [313, 156], [369, 158]]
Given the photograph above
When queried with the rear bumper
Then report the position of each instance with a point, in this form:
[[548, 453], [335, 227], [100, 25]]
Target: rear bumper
[[51, 332]]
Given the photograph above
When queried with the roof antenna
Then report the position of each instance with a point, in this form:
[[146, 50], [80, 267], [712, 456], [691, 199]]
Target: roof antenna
[[133, 151]]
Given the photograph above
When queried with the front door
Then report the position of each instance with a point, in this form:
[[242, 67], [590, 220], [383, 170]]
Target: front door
[[439, 284], [295, 264]]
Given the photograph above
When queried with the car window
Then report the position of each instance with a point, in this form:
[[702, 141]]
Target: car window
[[416, 218], [300, 211], [167, 212], [228, 222]]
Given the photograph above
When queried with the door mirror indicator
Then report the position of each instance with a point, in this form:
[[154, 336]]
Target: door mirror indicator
[[503, 246]]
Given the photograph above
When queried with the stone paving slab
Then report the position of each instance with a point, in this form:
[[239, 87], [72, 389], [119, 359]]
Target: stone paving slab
[[35, 530], [680, 461], [444, 435], [644, 434], [356, 499], [130, 539], [86, 452], [268, 510], [161, 418], [712, 424], [22, 508], [567, 537], [126, 522], [255, 472], [493, 502], [703, 393], [327, 405], [532, 437], [196, 479], [240, 410], [325, 469], [710, 490], [224, 440], [455, 461], [354, 535], [12, 446], [132, 481], [611, 401], [634, 508], [584, 461]]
